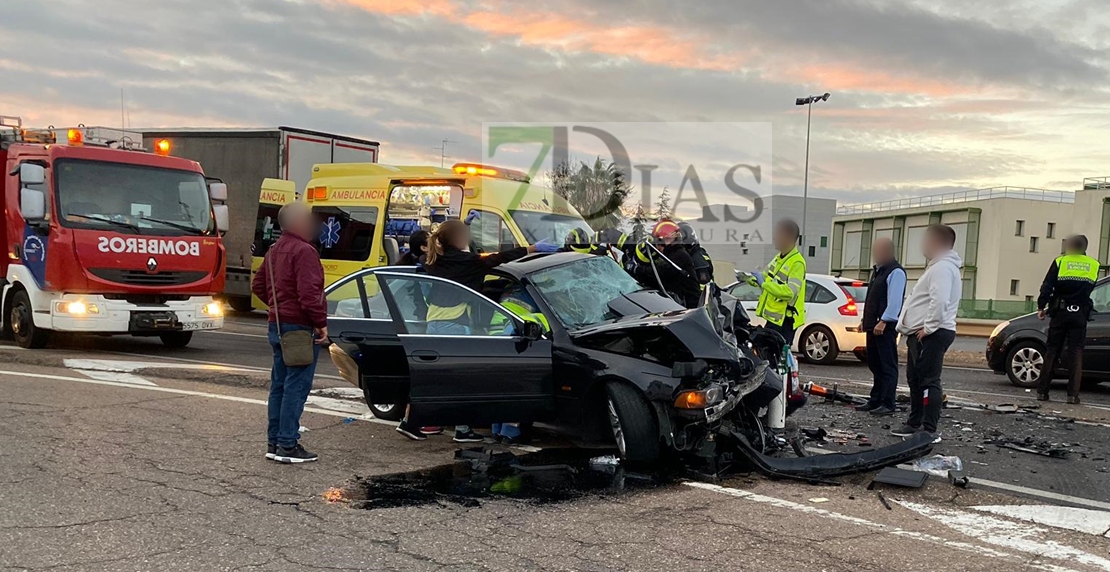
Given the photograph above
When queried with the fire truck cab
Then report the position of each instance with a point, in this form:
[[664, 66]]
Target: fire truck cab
[[105, 237]]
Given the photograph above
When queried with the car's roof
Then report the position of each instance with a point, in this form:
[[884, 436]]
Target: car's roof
[[536, 262]]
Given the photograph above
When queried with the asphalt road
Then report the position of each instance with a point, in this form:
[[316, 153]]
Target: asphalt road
[[132, 457]]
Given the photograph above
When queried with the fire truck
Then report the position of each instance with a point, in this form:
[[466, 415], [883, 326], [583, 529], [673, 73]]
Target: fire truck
[[106, 237]]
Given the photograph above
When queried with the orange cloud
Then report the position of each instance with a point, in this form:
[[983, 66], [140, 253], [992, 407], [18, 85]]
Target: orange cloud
[[403, 7]]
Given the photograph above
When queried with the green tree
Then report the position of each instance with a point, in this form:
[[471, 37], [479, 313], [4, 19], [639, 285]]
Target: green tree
[[597, 191], [639, 224], [663, 207]]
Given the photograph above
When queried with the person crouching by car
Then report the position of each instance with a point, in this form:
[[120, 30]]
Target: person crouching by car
[[448, 311]]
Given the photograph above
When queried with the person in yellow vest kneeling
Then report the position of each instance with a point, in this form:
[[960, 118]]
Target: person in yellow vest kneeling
[[1066, 299], [783, 283]]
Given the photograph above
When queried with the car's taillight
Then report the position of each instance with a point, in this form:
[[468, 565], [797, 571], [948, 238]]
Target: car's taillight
[[848, 309]]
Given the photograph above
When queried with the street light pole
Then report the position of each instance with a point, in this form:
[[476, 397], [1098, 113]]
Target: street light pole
[[808, 101], [443, 150]]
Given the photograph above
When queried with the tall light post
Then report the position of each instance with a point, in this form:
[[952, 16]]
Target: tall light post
[[443, 150], [805, 187]]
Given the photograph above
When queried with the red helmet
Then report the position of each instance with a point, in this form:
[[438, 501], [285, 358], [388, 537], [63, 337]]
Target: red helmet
[[666, 228]]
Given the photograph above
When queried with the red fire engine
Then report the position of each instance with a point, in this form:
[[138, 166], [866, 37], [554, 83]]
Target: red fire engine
[[105, 237]]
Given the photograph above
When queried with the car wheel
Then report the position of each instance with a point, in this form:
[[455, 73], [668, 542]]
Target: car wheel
[[818, 345], [22, 324], [176, 339], [1024, 362], [387, 411], [633, 425]]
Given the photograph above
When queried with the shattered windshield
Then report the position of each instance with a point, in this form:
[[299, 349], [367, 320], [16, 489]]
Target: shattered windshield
[[579, 292]]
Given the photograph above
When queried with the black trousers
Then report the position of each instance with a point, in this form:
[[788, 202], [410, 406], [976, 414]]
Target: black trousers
[[786, 329], [882, 359], [1070, 329], [923, 368]]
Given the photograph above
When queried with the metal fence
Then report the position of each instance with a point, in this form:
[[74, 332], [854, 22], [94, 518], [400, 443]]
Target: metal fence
[[995, 309], [959, 197]]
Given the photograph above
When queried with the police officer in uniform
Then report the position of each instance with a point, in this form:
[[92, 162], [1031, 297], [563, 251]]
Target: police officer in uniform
[[1066, 299], [782, 302]]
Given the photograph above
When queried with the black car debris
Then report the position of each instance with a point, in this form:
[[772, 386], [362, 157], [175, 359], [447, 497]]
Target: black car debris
[[616, 363], [1016, 347]]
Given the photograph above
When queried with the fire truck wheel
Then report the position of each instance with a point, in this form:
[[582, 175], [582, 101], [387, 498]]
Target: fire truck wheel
[[240, 303], [22, 324], [176, 339]]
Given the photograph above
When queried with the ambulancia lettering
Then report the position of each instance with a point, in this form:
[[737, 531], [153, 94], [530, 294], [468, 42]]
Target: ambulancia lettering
[[148, 246], [358, 194]]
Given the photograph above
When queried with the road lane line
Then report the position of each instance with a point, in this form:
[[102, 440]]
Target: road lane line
[[1094, 522], [1006, 534], [233, 334], [235, 365], [119, 376], [1011, 397], [893, 530], [343, 414]]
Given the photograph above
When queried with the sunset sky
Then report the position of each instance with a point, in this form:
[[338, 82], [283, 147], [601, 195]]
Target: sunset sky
[[928, 95]]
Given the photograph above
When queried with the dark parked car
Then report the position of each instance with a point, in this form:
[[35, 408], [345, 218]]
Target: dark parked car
[[1016, 347]]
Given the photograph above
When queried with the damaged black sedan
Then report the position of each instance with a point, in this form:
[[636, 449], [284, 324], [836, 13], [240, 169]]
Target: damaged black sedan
[[598, 358]]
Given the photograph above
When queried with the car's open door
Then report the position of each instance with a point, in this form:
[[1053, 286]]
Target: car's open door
[[485, 371], [360, 325]]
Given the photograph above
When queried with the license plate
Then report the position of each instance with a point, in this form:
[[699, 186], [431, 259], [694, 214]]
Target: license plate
[[202, 325]]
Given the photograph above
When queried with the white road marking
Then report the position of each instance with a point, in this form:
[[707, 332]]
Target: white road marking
[[355, 408], [1007, 534], [893, 530], [129, 366], [1096, 522], [120, 376], [234, 365], [233, 334], [235, 398], [354, 393]]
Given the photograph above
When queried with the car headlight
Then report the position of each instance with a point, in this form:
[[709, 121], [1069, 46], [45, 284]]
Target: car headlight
[[75, 308], [699, 398], [998, 329], [213, 309]]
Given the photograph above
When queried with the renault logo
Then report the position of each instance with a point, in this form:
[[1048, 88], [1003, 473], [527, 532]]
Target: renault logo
[[151, 264]]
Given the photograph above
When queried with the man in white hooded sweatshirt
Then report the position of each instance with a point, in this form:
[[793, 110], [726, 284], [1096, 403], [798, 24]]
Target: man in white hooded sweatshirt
[[928, 321]]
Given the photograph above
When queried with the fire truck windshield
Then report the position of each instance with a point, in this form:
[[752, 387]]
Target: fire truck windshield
[[131, 199]]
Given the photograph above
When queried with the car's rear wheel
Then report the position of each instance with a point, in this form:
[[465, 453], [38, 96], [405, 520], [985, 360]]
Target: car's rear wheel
[[634, 427], [1025, 363], [819, 346], [387, 411]]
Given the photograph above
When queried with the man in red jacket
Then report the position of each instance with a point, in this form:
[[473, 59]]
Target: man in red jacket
[[298, 283]]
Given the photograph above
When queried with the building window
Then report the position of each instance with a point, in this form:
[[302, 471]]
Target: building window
[[912, 255], [1019, 230], [1051, 233], [745, 236], [1014, 284], [824, 242], [812, 251], [744, 252], [1033, 244], [1063, 246], [1028, 299], [853, 245]]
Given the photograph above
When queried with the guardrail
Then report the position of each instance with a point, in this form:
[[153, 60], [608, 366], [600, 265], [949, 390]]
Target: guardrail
[[960, 197], [994, 309]]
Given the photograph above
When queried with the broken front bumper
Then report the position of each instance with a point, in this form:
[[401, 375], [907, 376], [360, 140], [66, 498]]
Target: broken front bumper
[[835, 464]]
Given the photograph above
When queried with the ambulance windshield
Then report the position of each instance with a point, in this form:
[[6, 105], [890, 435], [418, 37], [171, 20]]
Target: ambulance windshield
[[131, 198], [537, 226]]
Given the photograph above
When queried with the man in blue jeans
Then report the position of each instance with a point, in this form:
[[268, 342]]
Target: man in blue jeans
[[296, 300]]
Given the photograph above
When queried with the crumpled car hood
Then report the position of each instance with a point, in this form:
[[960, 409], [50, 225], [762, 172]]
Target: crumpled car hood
[[692, 327]]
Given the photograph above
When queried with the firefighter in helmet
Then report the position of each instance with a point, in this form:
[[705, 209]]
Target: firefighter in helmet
[[664, 262]]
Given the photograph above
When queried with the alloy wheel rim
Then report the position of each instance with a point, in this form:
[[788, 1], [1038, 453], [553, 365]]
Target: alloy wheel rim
[[1026, 365], [817, 345], [615, 424]]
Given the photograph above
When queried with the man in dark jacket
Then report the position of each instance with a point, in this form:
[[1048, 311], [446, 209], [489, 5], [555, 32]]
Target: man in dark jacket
[[1066, 299], [880, 322], [296, 299]]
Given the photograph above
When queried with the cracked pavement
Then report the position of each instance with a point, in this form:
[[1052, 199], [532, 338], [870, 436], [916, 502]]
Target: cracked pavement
[[99, 477]]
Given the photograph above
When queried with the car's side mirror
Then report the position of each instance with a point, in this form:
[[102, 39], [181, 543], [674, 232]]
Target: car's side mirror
[[31, 174], [223, 220], [32, 204], [532, 331]]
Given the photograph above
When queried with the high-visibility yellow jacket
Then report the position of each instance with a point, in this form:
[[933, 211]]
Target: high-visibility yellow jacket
[[784, 290]]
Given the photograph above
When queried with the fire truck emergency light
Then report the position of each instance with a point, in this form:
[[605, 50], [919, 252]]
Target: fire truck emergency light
[[162, 147], [75, 137]]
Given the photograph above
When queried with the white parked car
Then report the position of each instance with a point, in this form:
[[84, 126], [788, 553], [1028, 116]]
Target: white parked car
[[834, 308]]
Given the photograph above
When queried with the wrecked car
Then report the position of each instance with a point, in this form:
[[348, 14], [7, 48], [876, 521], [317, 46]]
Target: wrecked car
[[601, 360]]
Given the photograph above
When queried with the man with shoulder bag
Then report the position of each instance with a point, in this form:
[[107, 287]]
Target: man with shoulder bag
[[291, 280]]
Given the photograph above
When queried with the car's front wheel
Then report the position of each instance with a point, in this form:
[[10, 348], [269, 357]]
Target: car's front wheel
[[819, 345], [1025, 363], [387, 411], [634, 427]]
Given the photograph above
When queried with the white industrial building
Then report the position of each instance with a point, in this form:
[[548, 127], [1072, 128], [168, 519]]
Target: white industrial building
[[1007, 236]]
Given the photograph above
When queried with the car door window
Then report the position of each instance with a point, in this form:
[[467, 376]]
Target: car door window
[[490, 233], [820, 295], [745, 292], [430, 306], [1100, 296], [357, 297]]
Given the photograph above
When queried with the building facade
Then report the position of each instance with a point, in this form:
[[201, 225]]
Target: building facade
[[1006, 236]]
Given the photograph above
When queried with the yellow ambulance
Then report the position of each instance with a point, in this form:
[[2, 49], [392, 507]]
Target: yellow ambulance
[[367, 211]]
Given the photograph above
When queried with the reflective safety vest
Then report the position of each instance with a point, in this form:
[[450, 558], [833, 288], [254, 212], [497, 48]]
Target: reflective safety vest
[[524, 312], [1077, 267], [784, 290]]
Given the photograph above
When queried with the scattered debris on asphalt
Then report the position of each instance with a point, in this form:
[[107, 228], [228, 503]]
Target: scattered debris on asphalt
[[938, 465], [1035, 447], [899, 478], [882, 499]]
